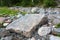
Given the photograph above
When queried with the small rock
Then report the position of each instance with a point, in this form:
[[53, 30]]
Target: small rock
[[56, 31], [15, 38], [34, 9], [43, 38], [3, 32], [31, 38], [5, 24], [2, 19], [19, 15], [56, 21], [54, 18], [6, 38], [7, 21], [44, 31], [54, 37]]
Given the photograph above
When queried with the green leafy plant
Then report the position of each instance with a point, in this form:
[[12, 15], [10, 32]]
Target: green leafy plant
[[49, 3], [57, 25]]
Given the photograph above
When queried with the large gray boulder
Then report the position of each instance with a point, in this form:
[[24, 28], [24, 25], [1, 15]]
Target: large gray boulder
[[27, 24]]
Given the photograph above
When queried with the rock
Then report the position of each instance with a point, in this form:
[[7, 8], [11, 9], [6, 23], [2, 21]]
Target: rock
[[44, 31], [54, 37], [5, 24], [31, 38], [19, 15], [3, 32], [54, 18], [43, 39], [25, 9], [6, 38], [34, 9], [56, 31], [27, 24], [8, 21], [50, 16], [41, 10], [15, 38], [58, 6], [2, 19], [56, 21]]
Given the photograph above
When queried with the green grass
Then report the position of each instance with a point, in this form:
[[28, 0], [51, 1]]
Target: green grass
[[4, 11], [57, 25]]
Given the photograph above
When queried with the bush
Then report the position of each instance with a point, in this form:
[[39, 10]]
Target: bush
[[58, 25], [49, 3], [27, 3]]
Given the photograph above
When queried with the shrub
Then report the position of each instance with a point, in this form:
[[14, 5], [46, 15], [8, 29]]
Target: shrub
[[27, 3], [58, 25], [49, 3]]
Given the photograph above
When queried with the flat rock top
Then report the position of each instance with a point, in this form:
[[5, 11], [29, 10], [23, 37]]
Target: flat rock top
[[26, 23]]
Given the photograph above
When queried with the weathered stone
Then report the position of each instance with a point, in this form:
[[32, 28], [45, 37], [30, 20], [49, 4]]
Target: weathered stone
[[54, 37], [5, 24], [56, 21], [54, 18], [19, 15], [2, 19], [31, 38], [56, 31], [34, 9], [15, 38], [8, 21], [27, 24], [44, 31], [3, 32], [6, 38]]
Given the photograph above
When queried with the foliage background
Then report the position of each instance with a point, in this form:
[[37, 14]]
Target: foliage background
[[28, 3]]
